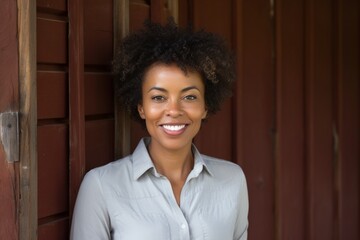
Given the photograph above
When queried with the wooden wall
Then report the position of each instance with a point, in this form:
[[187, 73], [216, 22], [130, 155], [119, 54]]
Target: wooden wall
[[9, 102], [75, 103], [52, 119], [294, 121]]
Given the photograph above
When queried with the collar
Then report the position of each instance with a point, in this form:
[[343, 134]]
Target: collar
[[142, 162]]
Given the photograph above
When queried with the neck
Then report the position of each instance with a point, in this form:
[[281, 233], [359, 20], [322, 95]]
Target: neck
[[173, 164]]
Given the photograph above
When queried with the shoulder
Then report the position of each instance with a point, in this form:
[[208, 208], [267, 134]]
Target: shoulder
[[223, 169], [110, 172]]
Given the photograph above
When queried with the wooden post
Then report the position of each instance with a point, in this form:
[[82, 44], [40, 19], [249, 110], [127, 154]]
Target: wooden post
[[76, 98], [28, 119], [122, 119]]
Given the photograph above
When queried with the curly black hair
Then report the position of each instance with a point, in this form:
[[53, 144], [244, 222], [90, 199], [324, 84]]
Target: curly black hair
[[190, 50]]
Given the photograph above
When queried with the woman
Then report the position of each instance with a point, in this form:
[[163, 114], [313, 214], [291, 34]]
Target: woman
[[171, 80]]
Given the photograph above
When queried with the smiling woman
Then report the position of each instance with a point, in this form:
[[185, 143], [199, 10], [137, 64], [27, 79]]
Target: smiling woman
[[170, 79], [173, 107]]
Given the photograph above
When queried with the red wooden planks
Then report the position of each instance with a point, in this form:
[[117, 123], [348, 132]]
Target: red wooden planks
[[290, 126], [52, 95], [51, 41], [99, 97], [254, 112], [99, 142], [53, 174]]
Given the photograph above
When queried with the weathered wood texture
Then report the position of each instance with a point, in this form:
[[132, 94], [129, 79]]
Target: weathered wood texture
[[28, 118], [9, 100], [8, 58], [293, 123]]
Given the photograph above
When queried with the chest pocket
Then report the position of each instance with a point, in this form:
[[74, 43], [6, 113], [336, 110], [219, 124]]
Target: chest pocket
[[141, 226]]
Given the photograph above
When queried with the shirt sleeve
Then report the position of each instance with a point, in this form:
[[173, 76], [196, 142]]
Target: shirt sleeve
[[90, 217], [241, 227]]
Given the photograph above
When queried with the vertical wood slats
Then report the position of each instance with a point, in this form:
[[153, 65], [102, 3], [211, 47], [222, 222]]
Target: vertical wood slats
[[348, 118], [315, 175], [290, 126], [77, 99], [253, 112], [122, 120], [319, 122], [28, 109]]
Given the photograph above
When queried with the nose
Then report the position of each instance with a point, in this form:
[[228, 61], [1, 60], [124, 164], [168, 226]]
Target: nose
[[174, 109]]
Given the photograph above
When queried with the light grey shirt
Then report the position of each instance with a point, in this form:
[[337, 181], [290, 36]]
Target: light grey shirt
[[129, 200]]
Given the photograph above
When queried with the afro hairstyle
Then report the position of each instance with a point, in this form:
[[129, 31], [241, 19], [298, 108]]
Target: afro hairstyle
[[169, 44]]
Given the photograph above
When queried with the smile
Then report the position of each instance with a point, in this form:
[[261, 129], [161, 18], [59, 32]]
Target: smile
[[174, 128]]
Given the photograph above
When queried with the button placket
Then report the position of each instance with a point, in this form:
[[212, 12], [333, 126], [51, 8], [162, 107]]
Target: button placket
[[177, 211]]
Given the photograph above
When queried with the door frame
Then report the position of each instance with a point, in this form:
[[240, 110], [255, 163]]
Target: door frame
[[27, 176]]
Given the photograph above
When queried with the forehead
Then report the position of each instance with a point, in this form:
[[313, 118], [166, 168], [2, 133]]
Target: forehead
[[171, 75]]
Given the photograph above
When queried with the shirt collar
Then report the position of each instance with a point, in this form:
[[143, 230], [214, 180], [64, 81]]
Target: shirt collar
[[142, 162], [141, 159]]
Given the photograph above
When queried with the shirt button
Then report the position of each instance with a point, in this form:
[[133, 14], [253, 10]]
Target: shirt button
[[183, 226]]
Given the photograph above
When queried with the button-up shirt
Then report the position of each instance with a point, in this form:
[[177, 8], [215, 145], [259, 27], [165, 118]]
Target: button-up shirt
[[129, 200]]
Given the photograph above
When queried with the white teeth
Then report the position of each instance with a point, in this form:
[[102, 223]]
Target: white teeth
[[173, 127]]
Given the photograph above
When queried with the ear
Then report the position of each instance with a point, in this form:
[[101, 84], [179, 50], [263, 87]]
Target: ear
[[141, 111], [204, 116]]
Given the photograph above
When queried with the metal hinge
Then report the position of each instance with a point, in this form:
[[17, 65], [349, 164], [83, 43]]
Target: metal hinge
[[9, 135]]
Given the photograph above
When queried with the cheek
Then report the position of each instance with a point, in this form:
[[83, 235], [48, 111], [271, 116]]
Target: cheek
[[196, 112], [152, 111]]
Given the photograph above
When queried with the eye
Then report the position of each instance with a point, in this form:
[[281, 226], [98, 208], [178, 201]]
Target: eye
[[190, 97], [158, 98]]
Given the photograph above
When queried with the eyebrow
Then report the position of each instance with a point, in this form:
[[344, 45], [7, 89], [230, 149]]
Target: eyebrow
[[183, 90]]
